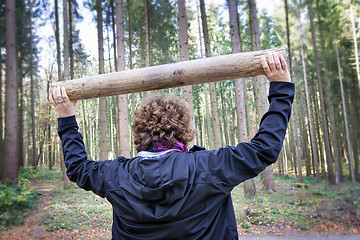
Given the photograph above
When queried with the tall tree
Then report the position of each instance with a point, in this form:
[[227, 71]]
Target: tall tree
[[66, 39], [2, 143], [260, 89], [124, 131], [292, 120], [11, 141], [67, 182], [102, 101], [314, 147], [329, 101], [356, 51], [184, 49], [57, 40], [348, 143], [322, 101], [240, 87], [34, 150], [213, 101]]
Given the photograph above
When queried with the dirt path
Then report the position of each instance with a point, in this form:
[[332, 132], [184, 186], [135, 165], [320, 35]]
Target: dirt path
[[302, 236], [33, 227]]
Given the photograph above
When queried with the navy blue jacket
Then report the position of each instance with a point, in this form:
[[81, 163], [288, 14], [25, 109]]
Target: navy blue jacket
[[181, 195]]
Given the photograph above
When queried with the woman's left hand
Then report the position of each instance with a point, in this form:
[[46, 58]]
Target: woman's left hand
[[61, 102]]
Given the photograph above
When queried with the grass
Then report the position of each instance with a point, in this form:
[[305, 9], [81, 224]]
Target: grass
[[76, 209], [296, 208], [318, 208]]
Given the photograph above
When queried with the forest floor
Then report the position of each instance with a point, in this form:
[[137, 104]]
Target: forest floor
[[313, 210]]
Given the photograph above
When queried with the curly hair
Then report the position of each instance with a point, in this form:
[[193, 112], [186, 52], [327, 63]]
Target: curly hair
[[162, 117]]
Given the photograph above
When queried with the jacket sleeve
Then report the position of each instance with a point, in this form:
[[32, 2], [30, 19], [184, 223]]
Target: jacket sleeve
[[88, 174], [230, 166]]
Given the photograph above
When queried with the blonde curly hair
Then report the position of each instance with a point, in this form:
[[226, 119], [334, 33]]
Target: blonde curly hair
[[163, 117]]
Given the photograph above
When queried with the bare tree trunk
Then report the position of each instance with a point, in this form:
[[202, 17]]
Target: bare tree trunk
[[184, 50], [11, 141], [102, 101], [2, 143], [66, 40], [122, 99], [249, 185], [213, 101], [57, 39], [312, 130], [348, 142], [225, 114], [292, 120], [322, 102], [71, 47], [330, 106], [67, 182], [260, 89], [34, 150], [355, 43], [113, 23]]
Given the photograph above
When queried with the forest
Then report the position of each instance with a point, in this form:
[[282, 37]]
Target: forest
[[321, 39]]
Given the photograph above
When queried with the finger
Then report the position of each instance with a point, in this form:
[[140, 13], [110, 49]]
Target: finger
[[276, 60], [58, 93], [265, 65], [283, 63], [64, 95], [271, 61], [54, 94], [51, 98]]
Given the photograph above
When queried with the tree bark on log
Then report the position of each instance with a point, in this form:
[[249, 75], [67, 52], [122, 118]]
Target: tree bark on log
[[245, 64]]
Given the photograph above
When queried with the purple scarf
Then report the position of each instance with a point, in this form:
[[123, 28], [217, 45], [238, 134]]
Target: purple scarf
[[164, 145]]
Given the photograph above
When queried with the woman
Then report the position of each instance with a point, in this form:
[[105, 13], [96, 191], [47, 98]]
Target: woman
[[166, 191]]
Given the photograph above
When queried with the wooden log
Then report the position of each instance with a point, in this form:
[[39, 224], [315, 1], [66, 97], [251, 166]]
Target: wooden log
[[239, 65]]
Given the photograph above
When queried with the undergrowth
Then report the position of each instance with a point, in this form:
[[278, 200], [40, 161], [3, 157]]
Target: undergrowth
[[299, 208], [76, 209], [16, 200]]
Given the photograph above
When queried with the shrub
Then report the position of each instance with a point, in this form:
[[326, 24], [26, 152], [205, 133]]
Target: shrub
[[15, 200]]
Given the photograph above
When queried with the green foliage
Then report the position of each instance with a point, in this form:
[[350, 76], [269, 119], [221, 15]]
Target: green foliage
[[39, 174], [299, 208], [76, 209], [15, 200]]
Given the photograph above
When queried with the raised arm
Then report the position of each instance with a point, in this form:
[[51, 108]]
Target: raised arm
[[89, 175], [233, 165]]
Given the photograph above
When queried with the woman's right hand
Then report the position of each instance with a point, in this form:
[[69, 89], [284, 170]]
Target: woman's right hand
[[275, 67]]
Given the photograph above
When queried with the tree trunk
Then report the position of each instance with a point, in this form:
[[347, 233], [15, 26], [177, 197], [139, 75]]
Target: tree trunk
[[124, 131], [168, 76], [2, 143], [355, 43], [184, 50], [348, 142], [311, 124], [71, 47], [249, 185], [102, 101], [57, 39], [67, 182], [225, 114], [330, 105], [322, 102], [213, 101], [11, 141], [66, 40], [260, 89], [293, 119], [113, 23], [34, 150]]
